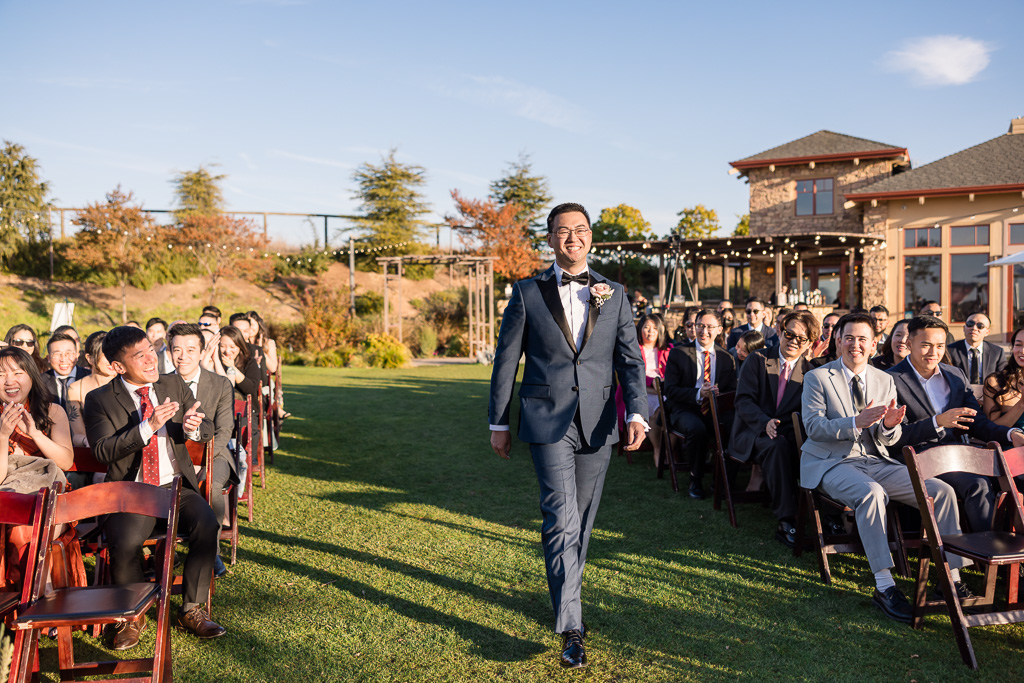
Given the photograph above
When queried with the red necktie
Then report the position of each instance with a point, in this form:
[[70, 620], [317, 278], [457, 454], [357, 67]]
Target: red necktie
[[707, 367], [150, 452], [783, 379]]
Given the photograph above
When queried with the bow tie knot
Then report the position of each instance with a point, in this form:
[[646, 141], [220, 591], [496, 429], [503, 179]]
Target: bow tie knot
[[583, 278]]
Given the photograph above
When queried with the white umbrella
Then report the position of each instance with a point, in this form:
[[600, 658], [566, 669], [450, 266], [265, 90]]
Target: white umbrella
[[1011, 260]]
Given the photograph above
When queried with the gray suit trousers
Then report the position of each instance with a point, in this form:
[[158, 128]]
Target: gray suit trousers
[[571, 477], [866, 483]]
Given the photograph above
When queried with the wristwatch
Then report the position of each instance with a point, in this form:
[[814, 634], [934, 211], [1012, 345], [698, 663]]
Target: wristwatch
[[231, 372]]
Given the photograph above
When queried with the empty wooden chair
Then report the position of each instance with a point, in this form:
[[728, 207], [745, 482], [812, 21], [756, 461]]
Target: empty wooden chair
[[243, 448], [672, 443], [723, 403]]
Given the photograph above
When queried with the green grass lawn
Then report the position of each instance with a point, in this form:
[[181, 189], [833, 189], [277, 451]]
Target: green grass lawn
[[393, 545]]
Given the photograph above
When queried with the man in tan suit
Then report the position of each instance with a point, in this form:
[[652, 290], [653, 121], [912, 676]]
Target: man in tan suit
[[851, 418]]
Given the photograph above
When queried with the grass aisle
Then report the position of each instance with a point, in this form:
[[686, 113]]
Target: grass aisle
[[392, 545]]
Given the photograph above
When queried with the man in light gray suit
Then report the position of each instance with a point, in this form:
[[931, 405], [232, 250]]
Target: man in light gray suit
[[185, 346], [576, 330], [850, 414]]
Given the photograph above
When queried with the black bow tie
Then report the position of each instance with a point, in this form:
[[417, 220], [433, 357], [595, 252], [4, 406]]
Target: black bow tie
[[583, 278]]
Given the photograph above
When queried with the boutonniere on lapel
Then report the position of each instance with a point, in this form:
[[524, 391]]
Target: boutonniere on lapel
[[599, 294]]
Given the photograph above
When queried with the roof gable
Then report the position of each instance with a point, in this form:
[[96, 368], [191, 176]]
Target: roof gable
[[821, 146]]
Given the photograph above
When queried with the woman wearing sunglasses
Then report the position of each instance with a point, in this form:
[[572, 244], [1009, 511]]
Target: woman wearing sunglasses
[[24, 338]]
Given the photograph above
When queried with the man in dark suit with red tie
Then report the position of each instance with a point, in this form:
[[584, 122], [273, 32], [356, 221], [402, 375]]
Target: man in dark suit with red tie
[[767, 394], [137, 425], [692, 373]]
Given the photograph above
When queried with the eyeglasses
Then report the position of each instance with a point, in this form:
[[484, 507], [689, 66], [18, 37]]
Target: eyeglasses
[[202, 324], [704, 328], [689, 324], [827, 326], [23, 342], [754, 310], [936, 312], [563, 233], [64, 354], [800, 339], [972, 323]]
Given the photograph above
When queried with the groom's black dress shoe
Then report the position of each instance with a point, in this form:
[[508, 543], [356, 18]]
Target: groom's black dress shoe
[[894, 604], [574, 654], [786, 533], [696, 490]]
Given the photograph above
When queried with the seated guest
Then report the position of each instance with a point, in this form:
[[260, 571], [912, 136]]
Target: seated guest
[[850, 415], [780, 314], [654, 347], [156, 332], [212, 312], [62, 354], [24, 337], [269, 347], [821, 346], [137, 425], [934, 308], [234, 361], [767, 395], [1003, 389], [217, 398], [895, 348], [941, 408], [692, 373], [241, 322], [133, 323], [975, 356], [73, 333], [685, 334], [35, 442], [755, 321], [880, 319], [728, 322], [801, 306], [831, 353], [751, 341], [100, 374]]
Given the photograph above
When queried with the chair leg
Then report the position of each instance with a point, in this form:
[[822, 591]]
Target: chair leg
[[722, 489], [896, 533], [819, 544], [956, 615], [921, 587]]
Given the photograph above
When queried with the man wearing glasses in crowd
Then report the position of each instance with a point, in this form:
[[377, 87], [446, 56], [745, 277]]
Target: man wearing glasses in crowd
[[880, 318], [755, 321], [976, 357], [933, 308]]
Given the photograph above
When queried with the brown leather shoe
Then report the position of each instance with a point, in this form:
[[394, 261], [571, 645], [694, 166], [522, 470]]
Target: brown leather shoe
[[197, 622], [126, 635]]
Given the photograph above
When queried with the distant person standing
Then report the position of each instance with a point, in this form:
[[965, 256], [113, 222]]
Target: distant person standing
[[976, 357], [880, 319], [755, 321]]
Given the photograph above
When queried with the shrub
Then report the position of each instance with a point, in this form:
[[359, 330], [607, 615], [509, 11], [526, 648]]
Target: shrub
[[384, 351], [325, 317], [334, 358], [457, 347], [427, 340], [445, 311], [308, 261], [369, 303]]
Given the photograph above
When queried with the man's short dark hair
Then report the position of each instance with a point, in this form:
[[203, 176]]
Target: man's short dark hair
[[879, 309], [755, 300], [752, 340], [928, 302], [119, 339], [925, 322], [156, 321], [235, 317], [568, 207], [64, 329], [212, 310], [59, 337], [709, 311], [805, 318], [853, 319], [186, 330]]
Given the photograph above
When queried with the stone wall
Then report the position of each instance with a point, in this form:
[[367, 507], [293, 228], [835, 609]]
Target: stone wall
[[762, 283], [773, 197], [874, 270]]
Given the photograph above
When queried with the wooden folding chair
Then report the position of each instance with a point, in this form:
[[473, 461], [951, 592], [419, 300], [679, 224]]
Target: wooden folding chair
[[206, 453], [66, 608], [670, 439], [243, 444], [991, 548], [270, 406], [21, 509], [259, 460], [825, 543], [275, 417], [723, 403]]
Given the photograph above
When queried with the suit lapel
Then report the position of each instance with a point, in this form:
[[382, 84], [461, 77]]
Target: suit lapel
[[126, 401], [592, 311], [842, 389], [549, 292], [913, 393], [773, 367]]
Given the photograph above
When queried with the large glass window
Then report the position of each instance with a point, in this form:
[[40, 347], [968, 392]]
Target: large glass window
[[922, 277], [814, 197], [1018, 296], [922, 237], [1017, 233], [968, 236], [968, 293]]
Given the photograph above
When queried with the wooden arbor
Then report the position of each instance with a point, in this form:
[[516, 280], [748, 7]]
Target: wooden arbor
[[480, 308]]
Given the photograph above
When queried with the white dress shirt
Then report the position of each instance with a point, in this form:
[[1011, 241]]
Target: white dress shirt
[[700, 364]]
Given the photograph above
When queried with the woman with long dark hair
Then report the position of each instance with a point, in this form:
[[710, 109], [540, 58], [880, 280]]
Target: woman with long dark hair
[[895, 348], [25, 338], [1004, 389], [654, 348]]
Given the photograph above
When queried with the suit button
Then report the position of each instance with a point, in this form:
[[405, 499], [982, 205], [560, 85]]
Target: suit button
[[579, 362], [575, 388]]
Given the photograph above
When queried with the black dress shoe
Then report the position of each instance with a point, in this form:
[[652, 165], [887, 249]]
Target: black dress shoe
[[696, 490], [574, 654], [786, 533], [894, 604]]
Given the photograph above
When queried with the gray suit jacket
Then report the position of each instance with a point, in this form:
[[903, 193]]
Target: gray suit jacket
[[217, 399], [558, 378], [993, 358], [828, 415]]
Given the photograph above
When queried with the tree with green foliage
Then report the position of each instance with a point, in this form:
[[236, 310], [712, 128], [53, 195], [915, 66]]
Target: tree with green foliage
[[619, 224], [23, 206], [391, 204], [743, 227], [115, 237], [528, 192], [697, 222], [197, 193]]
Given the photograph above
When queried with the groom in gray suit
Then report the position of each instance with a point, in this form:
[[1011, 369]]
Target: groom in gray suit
[[851, 418], [576, 330]]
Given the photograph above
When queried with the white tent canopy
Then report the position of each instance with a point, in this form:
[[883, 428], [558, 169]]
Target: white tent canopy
[[1011, 260]]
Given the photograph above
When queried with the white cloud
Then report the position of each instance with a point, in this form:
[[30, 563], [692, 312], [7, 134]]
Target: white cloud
[[941, 60], [312, 160], [519, 99]]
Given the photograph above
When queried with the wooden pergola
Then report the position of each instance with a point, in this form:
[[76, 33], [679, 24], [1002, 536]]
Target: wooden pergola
[[480, 307]]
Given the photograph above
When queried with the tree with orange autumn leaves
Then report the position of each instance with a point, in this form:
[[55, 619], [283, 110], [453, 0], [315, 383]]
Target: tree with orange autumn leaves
[[492, 230], [223, 246]]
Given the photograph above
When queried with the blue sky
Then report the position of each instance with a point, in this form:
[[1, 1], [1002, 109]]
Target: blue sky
[[640, 103]]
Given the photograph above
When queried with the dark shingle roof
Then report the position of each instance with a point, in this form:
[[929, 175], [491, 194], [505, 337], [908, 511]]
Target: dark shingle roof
[[998, 162], [822, 143]]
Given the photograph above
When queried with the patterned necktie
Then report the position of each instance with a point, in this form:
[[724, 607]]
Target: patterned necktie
[[975, 370], [858, 394], [783, 379], [707, 367], [150, 452]]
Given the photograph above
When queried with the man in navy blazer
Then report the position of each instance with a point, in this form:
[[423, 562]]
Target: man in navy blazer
[[755, 321], [576, 330], [941, 408], [975, 356]]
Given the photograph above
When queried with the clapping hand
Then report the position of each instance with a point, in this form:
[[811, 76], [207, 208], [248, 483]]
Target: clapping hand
[[870, 415], [162, 413], [956, 418], [193, 418], [893, 415], [10, 419]]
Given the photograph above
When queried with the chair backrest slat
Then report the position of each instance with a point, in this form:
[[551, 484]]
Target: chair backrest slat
[[955, 458], [112, 497], [17, 508]]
